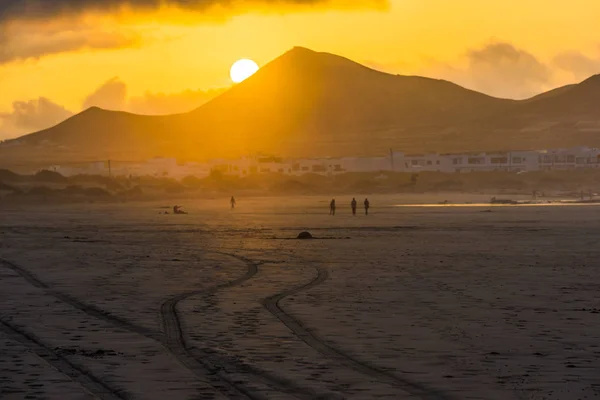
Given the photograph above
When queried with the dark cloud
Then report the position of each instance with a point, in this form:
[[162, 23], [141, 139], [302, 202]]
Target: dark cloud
[[578, 64], [32, 115], [22, 42], [40, 9], [30, 29], [112, 95]]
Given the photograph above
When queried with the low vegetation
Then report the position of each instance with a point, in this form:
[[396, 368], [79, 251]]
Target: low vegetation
[[51, 186]]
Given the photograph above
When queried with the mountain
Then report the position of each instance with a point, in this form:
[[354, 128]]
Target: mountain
[[564, 117], [96, 132], [306, 103]]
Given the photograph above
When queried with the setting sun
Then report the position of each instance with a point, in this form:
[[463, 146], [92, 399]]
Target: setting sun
[[242, 70]]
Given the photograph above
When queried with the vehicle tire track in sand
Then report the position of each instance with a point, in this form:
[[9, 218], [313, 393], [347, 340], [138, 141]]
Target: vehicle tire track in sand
[[86, 379], [90, 310], [193, 363], [176, 343], [310, 338], [170, 322], [279, 383], [174, 332]]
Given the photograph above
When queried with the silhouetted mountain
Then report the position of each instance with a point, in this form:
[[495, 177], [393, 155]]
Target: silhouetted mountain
[[563, 117], [573, 102], [96, 134], [306, 103]]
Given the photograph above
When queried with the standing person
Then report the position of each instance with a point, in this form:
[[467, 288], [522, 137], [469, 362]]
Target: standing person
[[233, 203], [332, 207], [414, 179], [367, 205], [353, 205]]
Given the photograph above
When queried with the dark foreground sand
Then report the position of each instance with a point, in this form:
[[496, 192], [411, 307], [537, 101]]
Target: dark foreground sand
[[119, 302]]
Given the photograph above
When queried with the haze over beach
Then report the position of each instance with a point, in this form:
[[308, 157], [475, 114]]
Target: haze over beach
[[324, 199]]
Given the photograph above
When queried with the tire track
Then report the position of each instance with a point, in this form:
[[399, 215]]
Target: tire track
[[313, 340], [86, 379], [172, 327], [88, 309], [172, 339], [176, 343], [204, 364]]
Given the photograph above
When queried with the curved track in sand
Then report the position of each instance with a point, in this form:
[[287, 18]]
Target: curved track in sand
[[203, 364], [272, 304], [172, 327], [95, 386], [176, 343], [208, 366], [90, 310]]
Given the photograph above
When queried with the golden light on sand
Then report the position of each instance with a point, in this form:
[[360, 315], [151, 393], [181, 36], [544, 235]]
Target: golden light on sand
[[242, 70]]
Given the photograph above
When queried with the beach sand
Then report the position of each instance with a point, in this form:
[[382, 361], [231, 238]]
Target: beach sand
[[117, 301]]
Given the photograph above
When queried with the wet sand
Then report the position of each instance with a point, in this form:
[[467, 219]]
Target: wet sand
[[121, 302]]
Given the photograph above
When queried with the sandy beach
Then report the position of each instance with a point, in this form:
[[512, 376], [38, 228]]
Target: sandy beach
[[119, 301]]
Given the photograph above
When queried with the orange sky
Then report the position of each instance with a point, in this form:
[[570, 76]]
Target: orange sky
[[505, 48]]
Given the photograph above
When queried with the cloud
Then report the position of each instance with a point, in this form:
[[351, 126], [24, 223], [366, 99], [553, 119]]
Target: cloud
[[30, 116], [507, 71], [578, 64], [31, 29], [42, 9], [173, 103], [34, 40], [111, 95], [33, 115], [499, 69]]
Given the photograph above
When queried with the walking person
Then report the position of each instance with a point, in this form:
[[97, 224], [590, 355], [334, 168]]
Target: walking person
[[353, 205], [233, 202], [332, 207], [367, 205]]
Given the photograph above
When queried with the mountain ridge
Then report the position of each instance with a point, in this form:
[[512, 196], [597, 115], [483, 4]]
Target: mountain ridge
[[307, 103]]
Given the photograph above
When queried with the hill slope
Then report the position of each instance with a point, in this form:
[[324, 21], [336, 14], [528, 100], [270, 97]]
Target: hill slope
[[563, 117], [306, 103]]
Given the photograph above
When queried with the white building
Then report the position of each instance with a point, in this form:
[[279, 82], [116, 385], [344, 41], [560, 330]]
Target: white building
[[511, 161]]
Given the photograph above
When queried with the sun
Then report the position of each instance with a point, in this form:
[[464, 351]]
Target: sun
[[242, 70]]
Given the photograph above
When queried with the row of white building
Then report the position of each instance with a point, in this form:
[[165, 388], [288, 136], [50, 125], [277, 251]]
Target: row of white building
[[512, 161]]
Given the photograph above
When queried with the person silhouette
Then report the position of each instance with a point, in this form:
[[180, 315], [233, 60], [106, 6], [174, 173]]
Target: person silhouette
[[353, 205], [367, 205], [233, 202], [332, 207]]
